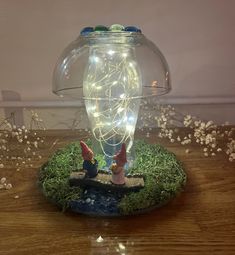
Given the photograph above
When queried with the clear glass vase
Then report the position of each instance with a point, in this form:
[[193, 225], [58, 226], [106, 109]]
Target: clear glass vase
[[112, 71]]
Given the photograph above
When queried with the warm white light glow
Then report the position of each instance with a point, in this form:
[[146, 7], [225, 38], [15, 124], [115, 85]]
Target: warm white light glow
[[113, 88], [111, 52]]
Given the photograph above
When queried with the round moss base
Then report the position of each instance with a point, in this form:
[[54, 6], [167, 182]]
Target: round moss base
[[163, 175]]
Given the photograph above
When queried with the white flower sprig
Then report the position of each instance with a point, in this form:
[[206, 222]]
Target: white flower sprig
[[206, 134], [13, 138]]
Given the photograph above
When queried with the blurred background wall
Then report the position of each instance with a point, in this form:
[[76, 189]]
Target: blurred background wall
[[196, 36]]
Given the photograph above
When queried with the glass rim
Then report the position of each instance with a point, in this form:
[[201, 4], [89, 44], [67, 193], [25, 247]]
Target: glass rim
[[156, 91], [102, 34]]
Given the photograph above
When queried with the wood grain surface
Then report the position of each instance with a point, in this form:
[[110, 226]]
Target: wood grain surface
[[201, 220]]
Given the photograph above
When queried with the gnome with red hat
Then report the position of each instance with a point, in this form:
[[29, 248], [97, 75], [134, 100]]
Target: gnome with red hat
[[118, 173], [90, 164]]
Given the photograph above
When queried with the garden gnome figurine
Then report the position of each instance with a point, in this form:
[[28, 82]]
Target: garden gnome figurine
[[90, 164], [118, 173]]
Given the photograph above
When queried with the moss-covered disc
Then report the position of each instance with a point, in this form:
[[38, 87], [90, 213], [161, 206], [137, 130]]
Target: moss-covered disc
[[163, 174]]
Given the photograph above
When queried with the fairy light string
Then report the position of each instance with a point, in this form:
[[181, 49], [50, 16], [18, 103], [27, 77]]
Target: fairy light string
[[112, 87]]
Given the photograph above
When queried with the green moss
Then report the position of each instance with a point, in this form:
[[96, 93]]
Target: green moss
[[53, 176], [163, 174]]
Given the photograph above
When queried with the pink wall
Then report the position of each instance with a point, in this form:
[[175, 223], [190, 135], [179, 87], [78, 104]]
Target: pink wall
[[196, 36]]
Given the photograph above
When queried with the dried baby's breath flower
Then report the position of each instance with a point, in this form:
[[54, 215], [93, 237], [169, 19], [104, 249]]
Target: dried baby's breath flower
[[35, 144], [9, 186], [3, 180]]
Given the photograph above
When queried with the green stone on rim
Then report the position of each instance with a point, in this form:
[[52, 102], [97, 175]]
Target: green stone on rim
[[101, 28]]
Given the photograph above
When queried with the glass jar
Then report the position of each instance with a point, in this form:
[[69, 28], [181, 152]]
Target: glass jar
[[111, 71]]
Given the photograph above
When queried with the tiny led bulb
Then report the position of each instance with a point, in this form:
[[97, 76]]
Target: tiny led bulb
[[111, 52], [96, 114], [120, 109], [129, 128]]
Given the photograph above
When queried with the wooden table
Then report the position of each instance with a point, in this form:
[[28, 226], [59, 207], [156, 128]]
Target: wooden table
[[200, 221]]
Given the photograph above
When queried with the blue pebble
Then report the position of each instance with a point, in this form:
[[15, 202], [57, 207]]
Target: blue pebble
[[132, 29], [105, 203], [86, 30]]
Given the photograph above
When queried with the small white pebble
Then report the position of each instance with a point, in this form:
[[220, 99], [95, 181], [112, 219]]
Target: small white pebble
[[18, 169], [187, 151], [219, 149], [213, 154], [99, 239], [172, 140], [205, 149], [88, 200], [1, 165], [16, 196], [206, 154]]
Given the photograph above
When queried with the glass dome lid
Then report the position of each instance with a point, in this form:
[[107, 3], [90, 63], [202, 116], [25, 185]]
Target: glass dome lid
[[111, 63]]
